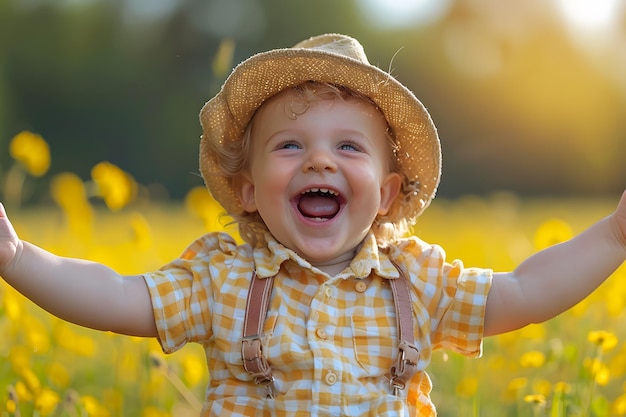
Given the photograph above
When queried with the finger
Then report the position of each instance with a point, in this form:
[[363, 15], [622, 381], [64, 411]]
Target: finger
[[6, 228]]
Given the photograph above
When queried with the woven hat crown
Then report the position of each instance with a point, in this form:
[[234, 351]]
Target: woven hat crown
[[337, 44], [330, 58]]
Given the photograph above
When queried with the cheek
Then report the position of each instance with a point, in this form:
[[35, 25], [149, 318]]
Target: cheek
[[269, 179], [372, 172]]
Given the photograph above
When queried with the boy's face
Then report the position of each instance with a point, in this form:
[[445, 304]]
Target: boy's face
[[319, 179]]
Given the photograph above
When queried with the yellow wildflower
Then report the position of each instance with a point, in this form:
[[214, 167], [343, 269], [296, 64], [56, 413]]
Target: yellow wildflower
[[11, 404], [92, 407], [86, 346], [535, 399], [533, 332], [22, 392], [200, 202], [194, 368], [68, 339], [602, 375], [551, 232], [13, 304], [562, 387], [543, 387], [58, 375], [68, 190], [32, 152], [514, 387], [20, 358], [36, 334], [46, 402], [619, 405], [197, 200], [605, 340], [115, 186], [599, 371], [31, 381], [532, 359]]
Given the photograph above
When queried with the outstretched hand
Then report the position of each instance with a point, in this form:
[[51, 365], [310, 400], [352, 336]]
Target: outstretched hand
[[9, 242]]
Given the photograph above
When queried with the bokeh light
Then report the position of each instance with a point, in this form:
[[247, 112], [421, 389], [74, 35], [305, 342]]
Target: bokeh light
[[403, 13], [592, 15]]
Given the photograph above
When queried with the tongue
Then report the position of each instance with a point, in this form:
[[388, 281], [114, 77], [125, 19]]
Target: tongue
[[313, 205]]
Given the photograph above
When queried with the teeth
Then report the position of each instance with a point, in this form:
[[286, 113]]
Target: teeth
[[320, 190]]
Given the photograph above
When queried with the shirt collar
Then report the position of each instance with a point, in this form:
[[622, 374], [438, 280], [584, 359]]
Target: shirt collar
[[269, 257], [370, 257]]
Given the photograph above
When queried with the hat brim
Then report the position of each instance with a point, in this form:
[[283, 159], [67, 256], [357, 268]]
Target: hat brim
[[224, 118]]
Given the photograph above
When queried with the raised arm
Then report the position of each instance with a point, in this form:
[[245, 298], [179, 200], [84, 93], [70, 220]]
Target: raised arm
[[555, 279], [82, 292]]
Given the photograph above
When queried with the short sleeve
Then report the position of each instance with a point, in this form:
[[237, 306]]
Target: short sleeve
[[181, 291], [460, 325], [449, 299]]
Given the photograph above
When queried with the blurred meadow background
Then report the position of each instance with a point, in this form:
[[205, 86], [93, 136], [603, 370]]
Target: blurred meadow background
[[99, 134]]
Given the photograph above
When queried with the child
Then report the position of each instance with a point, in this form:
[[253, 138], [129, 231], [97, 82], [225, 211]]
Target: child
[[324, 161]]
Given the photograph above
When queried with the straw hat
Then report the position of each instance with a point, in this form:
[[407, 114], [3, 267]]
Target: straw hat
[[335, 59]]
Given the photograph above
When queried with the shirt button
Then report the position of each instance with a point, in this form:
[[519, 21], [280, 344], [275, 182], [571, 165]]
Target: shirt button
[[360, 286], [321, 334], [330, 378], [329, 291]]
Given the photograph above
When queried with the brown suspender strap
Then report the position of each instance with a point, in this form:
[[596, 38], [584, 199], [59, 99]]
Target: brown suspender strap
[[405, 365], [257, 305], [251, 348]]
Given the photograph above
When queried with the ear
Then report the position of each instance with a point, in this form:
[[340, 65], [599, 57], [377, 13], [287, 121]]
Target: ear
[[389, 190], [244, 189]]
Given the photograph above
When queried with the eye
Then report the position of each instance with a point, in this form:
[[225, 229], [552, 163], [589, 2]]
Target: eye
[[350, 146], [287, 145]]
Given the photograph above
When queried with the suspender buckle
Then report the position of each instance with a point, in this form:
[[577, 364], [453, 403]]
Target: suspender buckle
[[405, 366], [255, 363]]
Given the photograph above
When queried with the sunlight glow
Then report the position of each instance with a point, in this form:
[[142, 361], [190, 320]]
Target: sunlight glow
[[596, 27], [402, 13], [590, 14]]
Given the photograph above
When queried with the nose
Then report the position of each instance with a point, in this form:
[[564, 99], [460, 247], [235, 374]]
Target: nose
[[319, 161]]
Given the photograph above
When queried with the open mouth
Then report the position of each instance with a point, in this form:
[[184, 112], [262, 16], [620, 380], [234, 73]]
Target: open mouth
[[319, 203]]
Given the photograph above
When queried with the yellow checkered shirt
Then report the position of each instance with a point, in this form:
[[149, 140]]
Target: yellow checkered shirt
[[329, 341]]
